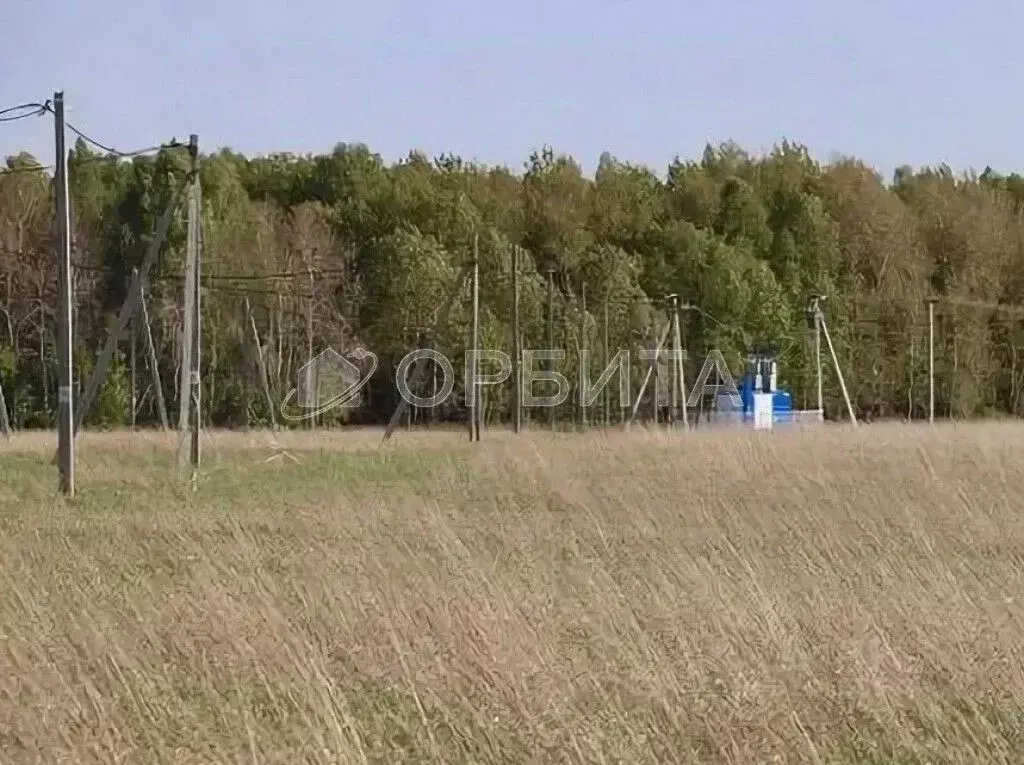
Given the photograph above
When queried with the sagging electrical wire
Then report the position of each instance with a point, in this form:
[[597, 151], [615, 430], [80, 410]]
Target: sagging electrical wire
[[37, 110], [172, 144], [89, 139]]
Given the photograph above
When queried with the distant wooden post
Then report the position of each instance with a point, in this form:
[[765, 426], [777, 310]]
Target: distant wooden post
[[65, 404], [910, 386], [551, 329], [5, 424], [261, 365], [931, 358], [814, 314], [679, 381], [604, 393], [517, 345], [154, 364], [835, 362], [650, 372], [583, 339], [133, 331], [309, 343], [190, 390], [673, 377], [474, 392], [656, 369]]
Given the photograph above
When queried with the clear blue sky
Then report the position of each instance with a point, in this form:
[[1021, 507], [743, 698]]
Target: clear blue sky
[[894, 82]]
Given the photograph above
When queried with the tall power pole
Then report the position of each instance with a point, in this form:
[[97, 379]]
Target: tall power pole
[[197, 387], [189, 383], [931, 359], [154, 364], [604, 393], [132, 334], [310, 381], [474, 392], [674, 375], [517, 345], [657, 374], [66, 422], [188, 317], [551, 329], [679, 374], [584, 338], [261, 366], [816, 318], [5, 423], [650, 373], [835, 362]]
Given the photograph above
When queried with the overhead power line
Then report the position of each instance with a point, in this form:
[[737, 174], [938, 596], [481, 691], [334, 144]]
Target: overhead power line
[[97, 158], [6, 115], [173, 143], [34, 109]]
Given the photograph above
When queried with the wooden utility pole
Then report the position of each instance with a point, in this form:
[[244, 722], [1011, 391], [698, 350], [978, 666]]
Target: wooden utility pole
[[65, 402], [583, 340], [817, 363], [309, 344], [197, 329], [132, 333], [261, 366], [189, 382], [442, 318], [682, 392], [910, 387], [551, 329], [656, 368], [5, 423], [604, 393], [814, 314], [682, 386], [419, 336], [433, 387], [674, 375], [517, 346], [679, 381], [154, 364], [650, 372], [474, 391], [839, 372], [188, 318], [931, 359], [42, 347], [409, 411]]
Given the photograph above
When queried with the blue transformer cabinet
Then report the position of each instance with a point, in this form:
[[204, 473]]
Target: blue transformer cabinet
[[762, 376]]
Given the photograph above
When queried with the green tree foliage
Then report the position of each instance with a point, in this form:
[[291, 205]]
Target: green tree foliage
[[344, 250]]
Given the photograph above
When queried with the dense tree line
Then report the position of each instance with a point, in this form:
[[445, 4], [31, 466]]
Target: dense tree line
[[367, 252]]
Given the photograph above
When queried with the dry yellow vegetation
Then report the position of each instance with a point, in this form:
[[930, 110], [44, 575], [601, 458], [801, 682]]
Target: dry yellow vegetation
[[821, 596]]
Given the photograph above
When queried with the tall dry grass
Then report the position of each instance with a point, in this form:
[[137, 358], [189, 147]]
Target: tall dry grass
[[819, 596]]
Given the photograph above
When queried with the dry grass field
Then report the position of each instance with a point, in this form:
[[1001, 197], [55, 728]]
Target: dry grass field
[[820, 596]]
